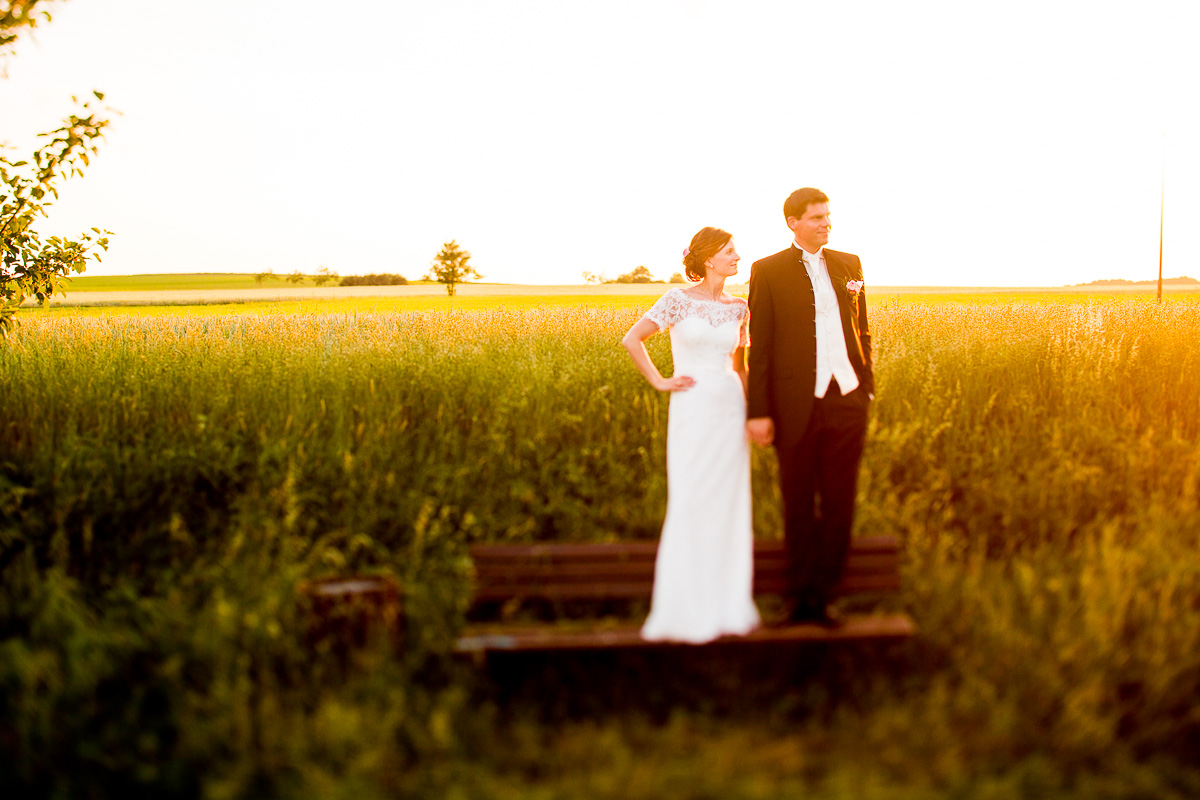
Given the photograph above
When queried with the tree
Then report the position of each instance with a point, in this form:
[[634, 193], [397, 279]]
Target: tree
[[297, 277], [29, 266], [591, 277], [677, 278], [259, 277], [451, 266], [324, 275]]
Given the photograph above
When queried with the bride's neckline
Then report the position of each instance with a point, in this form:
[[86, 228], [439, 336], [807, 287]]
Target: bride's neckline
[[718, 301]]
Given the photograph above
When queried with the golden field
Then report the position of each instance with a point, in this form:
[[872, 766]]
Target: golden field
[[171, 474]]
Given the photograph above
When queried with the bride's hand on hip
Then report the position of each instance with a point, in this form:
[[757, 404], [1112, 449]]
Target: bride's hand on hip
[[679, 383]]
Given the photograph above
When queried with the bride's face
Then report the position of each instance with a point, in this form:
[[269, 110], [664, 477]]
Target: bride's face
[[725, 262]]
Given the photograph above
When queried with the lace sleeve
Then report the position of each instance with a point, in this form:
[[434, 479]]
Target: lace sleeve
[[667, 310], [744, 328]]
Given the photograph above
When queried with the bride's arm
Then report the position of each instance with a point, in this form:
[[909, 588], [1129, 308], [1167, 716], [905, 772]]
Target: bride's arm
[[739, 365], [635, 343]]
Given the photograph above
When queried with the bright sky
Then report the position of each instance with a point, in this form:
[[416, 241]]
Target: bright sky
[[998, 144]]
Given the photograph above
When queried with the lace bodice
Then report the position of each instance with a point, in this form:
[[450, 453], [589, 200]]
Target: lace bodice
[[704, 333], [677, 304]]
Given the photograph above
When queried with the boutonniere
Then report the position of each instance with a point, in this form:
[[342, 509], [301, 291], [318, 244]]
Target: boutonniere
[[854, 287]]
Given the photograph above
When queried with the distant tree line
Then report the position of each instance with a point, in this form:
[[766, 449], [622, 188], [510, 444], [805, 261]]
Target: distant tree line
[[325, 275], [1124, 282], [382, 279], [638, 274]]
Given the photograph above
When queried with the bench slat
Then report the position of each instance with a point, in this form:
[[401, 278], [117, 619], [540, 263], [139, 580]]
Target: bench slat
[[524, 638], [560, 572], [633, 590], [634, 551], [567, 573]]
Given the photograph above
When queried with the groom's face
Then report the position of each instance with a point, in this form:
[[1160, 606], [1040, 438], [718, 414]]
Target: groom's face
[[812, 227]]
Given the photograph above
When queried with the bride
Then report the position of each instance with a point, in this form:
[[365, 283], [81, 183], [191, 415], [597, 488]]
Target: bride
[[704, 571]]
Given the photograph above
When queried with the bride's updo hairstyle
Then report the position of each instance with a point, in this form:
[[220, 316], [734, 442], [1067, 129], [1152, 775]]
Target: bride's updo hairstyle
[[705, 244]]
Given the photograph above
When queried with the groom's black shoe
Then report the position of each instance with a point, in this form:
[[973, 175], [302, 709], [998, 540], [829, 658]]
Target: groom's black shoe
[[825, 616]]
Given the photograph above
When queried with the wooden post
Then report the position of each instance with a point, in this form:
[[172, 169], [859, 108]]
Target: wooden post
[[348, 611]]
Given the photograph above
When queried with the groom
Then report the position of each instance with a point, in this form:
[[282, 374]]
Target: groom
[[810, 388]]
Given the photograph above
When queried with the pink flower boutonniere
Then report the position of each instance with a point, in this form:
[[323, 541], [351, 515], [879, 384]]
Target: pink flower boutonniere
[[854, 287]]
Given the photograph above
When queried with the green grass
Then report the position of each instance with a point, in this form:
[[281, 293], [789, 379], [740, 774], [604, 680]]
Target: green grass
[[170, 281], [346, 305], [166, 482]]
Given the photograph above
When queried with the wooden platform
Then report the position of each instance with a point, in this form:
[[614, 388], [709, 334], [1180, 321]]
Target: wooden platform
[[555, 575]]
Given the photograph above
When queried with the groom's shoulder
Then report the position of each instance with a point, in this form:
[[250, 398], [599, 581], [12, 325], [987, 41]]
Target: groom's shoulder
[[846, 261]]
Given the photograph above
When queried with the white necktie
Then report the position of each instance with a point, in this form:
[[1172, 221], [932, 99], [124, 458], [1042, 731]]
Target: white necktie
[[824, 299]]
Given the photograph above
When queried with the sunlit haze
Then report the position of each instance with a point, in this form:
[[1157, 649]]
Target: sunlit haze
[[1015, 144]]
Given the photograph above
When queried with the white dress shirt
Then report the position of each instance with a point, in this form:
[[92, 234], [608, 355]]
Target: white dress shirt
[[833, 360]]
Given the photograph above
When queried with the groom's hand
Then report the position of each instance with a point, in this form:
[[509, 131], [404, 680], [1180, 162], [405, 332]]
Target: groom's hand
[[761, 430]]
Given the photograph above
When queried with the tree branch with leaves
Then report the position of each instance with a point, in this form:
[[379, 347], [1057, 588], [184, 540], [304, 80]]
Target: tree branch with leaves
[[29, 266], [18, 17]]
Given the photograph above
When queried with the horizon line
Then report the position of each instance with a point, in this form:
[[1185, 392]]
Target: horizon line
[[1098, 283]]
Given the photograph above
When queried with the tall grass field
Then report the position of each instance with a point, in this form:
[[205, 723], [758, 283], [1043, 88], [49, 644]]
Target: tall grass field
[[169, 480]]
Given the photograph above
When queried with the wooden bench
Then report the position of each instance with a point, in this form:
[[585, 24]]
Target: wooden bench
[[556, 575]]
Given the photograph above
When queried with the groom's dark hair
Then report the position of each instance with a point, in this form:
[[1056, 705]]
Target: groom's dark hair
[[799, 201]]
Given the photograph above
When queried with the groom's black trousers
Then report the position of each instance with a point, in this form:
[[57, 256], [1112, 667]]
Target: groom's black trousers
[[818, 478]]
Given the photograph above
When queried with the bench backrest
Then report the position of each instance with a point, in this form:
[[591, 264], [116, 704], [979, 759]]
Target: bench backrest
[[625, 570]]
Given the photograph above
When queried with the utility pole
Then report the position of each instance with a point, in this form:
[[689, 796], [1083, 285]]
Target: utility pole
[[1162, 204]]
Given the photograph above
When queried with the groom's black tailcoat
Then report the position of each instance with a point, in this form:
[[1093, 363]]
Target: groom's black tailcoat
[[819, 442]]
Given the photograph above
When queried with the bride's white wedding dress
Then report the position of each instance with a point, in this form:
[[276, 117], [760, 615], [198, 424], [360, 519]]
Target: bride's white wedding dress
[[703, 576]]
